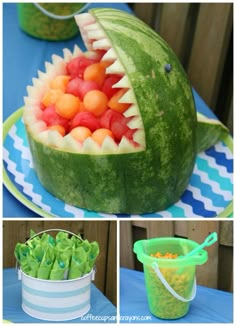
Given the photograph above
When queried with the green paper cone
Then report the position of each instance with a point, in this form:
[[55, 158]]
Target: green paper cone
[[47, 240], [60, 267], [76, 240], [94, 252], [46, 264], [33, 266], [61, 236], [78, 261], [38, 253]]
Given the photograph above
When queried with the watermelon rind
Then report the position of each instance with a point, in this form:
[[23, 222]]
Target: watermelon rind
[[209, 131]]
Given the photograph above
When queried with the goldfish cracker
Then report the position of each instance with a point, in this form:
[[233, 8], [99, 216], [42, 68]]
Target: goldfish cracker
[[162, 303], [166, 255]]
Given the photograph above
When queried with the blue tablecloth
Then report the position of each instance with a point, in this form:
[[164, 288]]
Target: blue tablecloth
[[102, 310], [23, 56], [209, 305]]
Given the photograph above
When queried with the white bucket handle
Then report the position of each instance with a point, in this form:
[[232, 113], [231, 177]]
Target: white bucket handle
[[49, 230], [51, 15], [170, 289]]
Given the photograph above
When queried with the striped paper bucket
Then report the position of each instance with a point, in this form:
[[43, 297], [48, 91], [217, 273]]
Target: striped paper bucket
[[56, 300]]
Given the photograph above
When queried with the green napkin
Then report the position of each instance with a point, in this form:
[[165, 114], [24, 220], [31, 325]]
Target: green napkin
[[21, 251], [46, 264], [94, 252], [38, 252], [61, 237], [33, 266], [28, 263], [32, 243], [60, 267], [78, 262], [56, 259], [47, 240], [76, 240], [64, 247], [87, 247]]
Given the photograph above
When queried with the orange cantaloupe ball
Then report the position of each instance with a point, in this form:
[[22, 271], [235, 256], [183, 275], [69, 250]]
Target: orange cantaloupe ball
[[80, 133], [100, 134]]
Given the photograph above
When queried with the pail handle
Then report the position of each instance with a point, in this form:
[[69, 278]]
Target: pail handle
[[49, 230], [170, 289], [51, 15]]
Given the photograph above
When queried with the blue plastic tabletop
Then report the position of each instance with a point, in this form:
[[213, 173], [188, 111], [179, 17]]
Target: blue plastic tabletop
[[209, 305], [101, 311], [23, 56]]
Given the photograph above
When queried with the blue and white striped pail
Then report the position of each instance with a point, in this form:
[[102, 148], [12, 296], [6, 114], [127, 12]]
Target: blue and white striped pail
[[56, 300]]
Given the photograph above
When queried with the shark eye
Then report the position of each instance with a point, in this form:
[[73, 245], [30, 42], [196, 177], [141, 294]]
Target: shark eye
[[168, 68]]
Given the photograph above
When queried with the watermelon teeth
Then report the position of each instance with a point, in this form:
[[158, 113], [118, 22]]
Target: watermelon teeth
[[59, 62], [128, 97], [67, 55], [110, 55], [102, 44], [135, 123], [123, 83], [138, 137], [90, 146], [115, 68], [84, 20], [132, 111], [95, 37], [98, 34], [77, 52]]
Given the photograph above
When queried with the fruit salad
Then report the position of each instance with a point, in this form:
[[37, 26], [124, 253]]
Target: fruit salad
[[85, 102]]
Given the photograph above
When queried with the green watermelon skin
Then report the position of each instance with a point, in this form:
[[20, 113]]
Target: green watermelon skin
[[145, 181]]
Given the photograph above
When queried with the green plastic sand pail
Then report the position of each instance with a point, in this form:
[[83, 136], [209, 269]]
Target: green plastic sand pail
[[49, 21], [170, 283]]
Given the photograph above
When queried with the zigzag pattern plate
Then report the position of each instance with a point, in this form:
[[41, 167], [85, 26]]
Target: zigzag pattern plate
[[209, 192]]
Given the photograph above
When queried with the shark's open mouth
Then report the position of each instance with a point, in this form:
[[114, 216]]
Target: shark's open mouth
[[119, 118]]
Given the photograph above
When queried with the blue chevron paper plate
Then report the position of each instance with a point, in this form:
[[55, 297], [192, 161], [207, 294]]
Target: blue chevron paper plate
[[209, 193]]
